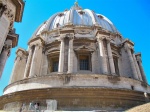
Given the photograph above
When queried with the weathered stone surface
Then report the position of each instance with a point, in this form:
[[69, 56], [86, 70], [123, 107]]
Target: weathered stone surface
[[79, 98]]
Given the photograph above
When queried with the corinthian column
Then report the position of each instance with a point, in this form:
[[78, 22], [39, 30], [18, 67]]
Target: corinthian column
[[35, 64], [137, 68], [13, 77], [3, 57], [27, 68], [141, 68], [70, 56], [61, 57], [131, 61], [110, 58], [102, 56]]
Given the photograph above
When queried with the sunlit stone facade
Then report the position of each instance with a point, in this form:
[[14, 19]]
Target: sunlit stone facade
[[10, 11], [77, 60]]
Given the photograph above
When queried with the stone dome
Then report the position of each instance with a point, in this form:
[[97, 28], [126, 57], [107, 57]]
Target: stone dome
[[78, 17], [77, 61]]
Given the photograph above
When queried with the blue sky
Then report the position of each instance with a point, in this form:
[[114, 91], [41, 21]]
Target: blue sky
[[131, 18]]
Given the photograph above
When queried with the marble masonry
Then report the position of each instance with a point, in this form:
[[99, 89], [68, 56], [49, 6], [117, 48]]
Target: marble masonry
[[76, 60], [10, 11]]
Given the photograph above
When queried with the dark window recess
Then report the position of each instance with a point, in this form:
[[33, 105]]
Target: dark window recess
[[116, 65], [84, 62], [55, 66]]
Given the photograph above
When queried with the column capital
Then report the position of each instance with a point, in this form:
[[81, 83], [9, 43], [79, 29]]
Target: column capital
[[68, 35], [100, 38], [128, 46], [138, 58], [36, 41], [21, 52], [108, 39]]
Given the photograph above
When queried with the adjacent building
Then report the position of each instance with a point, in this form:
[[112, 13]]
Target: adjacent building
[[10, 11]]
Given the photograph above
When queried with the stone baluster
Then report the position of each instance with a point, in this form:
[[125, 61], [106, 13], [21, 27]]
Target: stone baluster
[[70, 56], [27, 68], [110, 58], [61, 56], [141, 69], [102, 56], [35, 61], [3, 57], [137, 68], [131, 61]]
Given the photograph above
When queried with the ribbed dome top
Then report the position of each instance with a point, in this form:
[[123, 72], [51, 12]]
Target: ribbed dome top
[[78, 17]]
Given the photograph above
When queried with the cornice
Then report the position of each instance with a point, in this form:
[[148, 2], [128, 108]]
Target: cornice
[[19, 9]]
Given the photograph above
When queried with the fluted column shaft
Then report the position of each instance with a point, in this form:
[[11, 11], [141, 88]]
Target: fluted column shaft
[[70, 56], [27, 69], [3, 57], [137, 68], [110, 58], [61, 57], [35, 61], [131, 61], [102, 56], [141, 69]]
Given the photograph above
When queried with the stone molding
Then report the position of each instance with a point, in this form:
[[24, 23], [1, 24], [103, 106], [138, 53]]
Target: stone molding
[[77, 80], [19, 9], [38, 41], [88, 97], [21, 53]]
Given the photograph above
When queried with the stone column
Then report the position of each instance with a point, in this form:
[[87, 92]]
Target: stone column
[[3, 57], [70, 56], [35, 61], [27, 68], [102, 56], [12, 79], [137, 68], [131, 61], [110, 58], [141, 69], [61, 57]]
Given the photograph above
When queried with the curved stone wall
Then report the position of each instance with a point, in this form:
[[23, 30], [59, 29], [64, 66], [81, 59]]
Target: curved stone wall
[[77, 80], [73, 99]]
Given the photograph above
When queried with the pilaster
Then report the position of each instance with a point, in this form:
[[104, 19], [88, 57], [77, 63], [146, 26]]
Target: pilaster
[[61, 55], [102, 55], [37, 57], [128, 47], [141, 67], [137, 68], [70, 55], [18, 74], [110, 57], [29, 59]]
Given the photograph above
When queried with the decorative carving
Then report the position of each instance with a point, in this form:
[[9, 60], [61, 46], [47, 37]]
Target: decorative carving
[[83, 32], [84, 49], [3, 7]]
